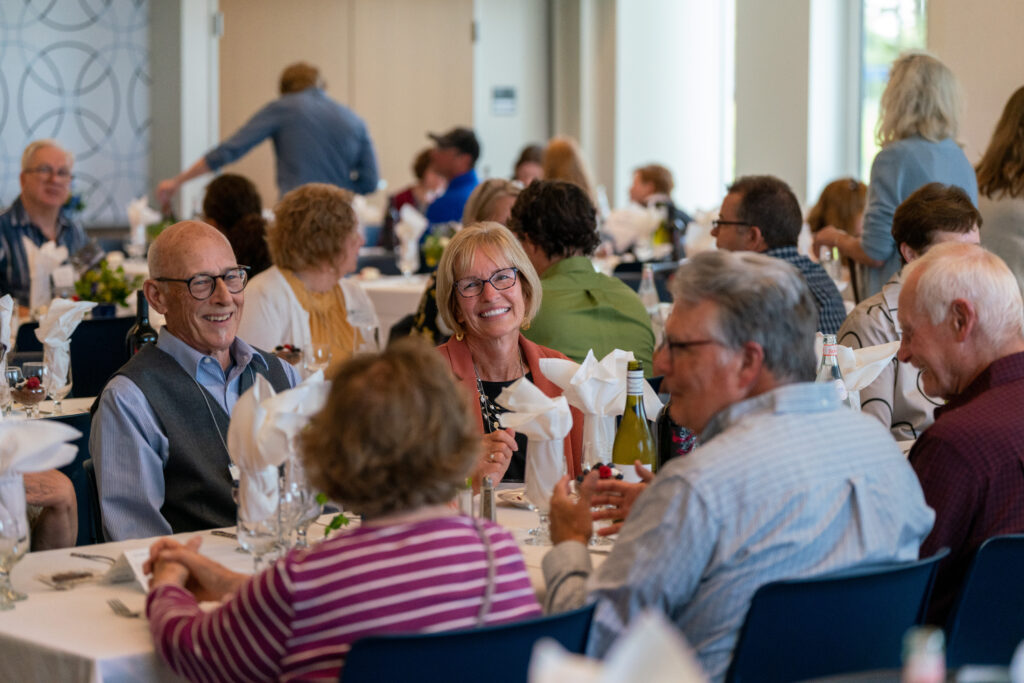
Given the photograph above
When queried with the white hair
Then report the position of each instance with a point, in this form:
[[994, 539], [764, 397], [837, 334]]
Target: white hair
[[36, 145], [955, 270]]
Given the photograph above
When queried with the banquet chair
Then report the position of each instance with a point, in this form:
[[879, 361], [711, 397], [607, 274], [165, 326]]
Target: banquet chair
[[850, 621], [94, 528], [84, 493], [493, 653], [987, 623]]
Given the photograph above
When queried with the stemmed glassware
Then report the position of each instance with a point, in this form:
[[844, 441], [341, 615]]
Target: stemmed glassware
[[316, 357], [12, 378], [367, 338], [14, 535], [32, 397], [408, 257], [539, 487], [259, 523], [57, 388], [299, 505]]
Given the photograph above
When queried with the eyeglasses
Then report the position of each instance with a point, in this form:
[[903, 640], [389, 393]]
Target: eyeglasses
[[47, 170], [716, 223], [674, 346], [469, 287], [202, 286]]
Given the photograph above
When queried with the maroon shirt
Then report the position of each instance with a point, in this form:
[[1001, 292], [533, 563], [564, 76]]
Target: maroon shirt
[[971, 467]]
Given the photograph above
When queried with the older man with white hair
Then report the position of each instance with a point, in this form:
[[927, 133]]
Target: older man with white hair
[[786, 482], [46, 173], [963, 327]]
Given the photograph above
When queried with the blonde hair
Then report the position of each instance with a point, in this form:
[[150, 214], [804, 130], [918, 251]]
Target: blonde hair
[[395, 434], [497, 242], [1001, 169], [36, 145], [564, 161], [480, 204], [921, 98], [311, 225]]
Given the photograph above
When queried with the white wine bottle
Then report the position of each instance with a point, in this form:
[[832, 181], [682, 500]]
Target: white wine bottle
[[633, 440]]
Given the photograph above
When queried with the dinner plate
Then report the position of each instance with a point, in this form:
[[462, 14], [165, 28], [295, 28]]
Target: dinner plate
[[515, 498]]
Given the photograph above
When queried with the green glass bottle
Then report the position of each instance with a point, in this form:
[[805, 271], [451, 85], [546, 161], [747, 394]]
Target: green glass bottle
[[633, 440]]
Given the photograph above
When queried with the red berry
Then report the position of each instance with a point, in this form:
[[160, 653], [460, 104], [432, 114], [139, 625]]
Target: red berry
[[33, 383], [605, 471]]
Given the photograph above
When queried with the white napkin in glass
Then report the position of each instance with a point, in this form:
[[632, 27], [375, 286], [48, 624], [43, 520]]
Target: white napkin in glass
[[139, 216], [546, 422], [35, 445], [41, 263], [6, 311], [288, 412], [54, 331], [410, 227], [257, 483], [632, 224], [598, 390]]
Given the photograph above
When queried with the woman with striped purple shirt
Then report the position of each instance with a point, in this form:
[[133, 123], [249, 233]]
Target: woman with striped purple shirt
[[394, 442]]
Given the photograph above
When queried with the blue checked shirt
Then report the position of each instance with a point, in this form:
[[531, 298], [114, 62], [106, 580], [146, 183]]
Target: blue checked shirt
[[15, 277], [786, 484], [831, 310]]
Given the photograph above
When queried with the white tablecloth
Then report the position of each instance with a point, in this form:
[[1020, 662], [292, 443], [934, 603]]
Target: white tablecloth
[[394, 297], [73, 636]]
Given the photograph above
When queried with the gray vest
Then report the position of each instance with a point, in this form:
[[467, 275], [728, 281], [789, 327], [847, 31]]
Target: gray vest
[[197, 485]]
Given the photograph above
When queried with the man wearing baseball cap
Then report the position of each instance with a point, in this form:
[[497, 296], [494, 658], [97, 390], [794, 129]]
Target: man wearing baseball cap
[[454, 157]]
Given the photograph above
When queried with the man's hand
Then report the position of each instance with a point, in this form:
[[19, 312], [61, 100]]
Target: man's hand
[[172, 563], [570, 519], [165, 191], [614, 499]]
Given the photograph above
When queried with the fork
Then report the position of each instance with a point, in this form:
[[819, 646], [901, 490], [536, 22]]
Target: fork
[[121, 609]]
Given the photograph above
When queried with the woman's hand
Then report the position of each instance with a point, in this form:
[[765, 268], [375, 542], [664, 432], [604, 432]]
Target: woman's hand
[[172, 563], [848, 245], [496, 449]]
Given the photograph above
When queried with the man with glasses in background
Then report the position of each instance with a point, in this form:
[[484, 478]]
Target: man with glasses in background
[[36, 214], [786, 483], [159, 428]]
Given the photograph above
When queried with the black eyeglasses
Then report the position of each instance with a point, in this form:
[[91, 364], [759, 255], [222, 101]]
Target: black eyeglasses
[[674, 346], [716, 223], [202, 286], [47, 170], [469, 287]]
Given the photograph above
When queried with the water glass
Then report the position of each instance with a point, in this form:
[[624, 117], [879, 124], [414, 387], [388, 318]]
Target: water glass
[[259, 527], [299, 506], [14, 535], [316, 357], [408, 258], [57, 386]]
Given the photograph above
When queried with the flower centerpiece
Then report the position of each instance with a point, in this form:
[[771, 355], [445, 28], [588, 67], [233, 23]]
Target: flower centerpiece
[[106, 286], [435, 242]]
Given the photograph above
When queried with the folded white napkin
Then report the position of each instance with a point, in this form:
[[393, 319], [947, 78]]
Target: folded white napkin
[[632, 224], [35, 445], [598, 390], [139, 216], [54, 331], [546, 422], [41, 263], [860, 367], [288, 412], [6, 311], [650, 650], [257, 483], [366, 213]]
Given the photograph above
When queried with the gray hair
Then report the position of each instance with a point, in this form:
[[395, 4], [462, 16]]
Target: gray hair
[[760, 299], [36, 145], [954, 270], [922, 98]]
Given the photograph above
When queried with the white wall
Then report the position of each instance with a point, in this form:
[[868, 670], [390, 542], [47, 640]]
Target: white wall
[[511, 50], [673, 103]]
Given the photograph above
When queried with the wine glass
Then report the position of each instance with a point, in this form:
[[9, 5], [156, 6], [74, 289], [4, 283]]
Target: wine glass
[[298, 500], [258, 513], [31, 397], [12, 378], [543, 470], [58, 382], [408, 257], [14, 535], [367, 339], [316, 357]]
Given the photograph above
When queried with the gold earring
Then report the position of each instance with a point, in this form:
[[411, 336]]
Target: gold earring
[[459, 336], [525, 326]]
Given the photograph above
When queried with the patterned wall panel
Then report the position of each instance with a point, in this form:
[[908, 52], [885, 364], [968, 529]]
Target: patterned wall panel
[[78, 71]]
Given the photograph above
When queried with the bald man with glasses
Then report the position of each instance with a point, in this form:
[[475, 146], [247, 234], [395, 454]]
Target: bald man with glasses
[[46, 175], [159, 428]]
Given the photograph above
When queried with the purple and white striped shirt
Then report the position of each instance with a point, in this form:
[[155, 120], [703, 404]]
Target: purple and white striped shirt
[[298, 619]]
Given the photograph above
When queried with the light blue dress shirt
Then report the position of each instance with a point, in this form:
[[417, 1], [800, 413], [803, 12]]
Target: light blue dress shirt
[[786, 484], [129, 448]]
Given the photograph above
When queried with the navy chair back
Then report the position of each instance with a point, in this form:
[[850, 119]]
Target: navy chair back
[[987, 623], [851, 621], [97, 351], [85, 494], [94, 527], [493, 653]]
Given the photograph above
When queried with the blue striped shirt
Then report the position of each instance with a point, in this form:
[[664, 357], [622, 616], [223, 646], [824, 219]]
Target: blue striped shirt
[[786, 484], [15, 277]]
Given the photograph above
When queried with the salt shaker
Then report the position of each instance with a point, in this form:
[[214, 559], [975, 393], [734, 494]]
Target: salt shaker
[[487, 509]]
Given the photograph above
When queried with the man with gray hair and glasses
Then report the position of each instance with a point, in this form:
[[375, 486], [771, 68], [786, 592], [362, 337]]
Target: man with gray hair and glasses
[[786, 482], [159, 428], [963, 327], [36, 214]]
